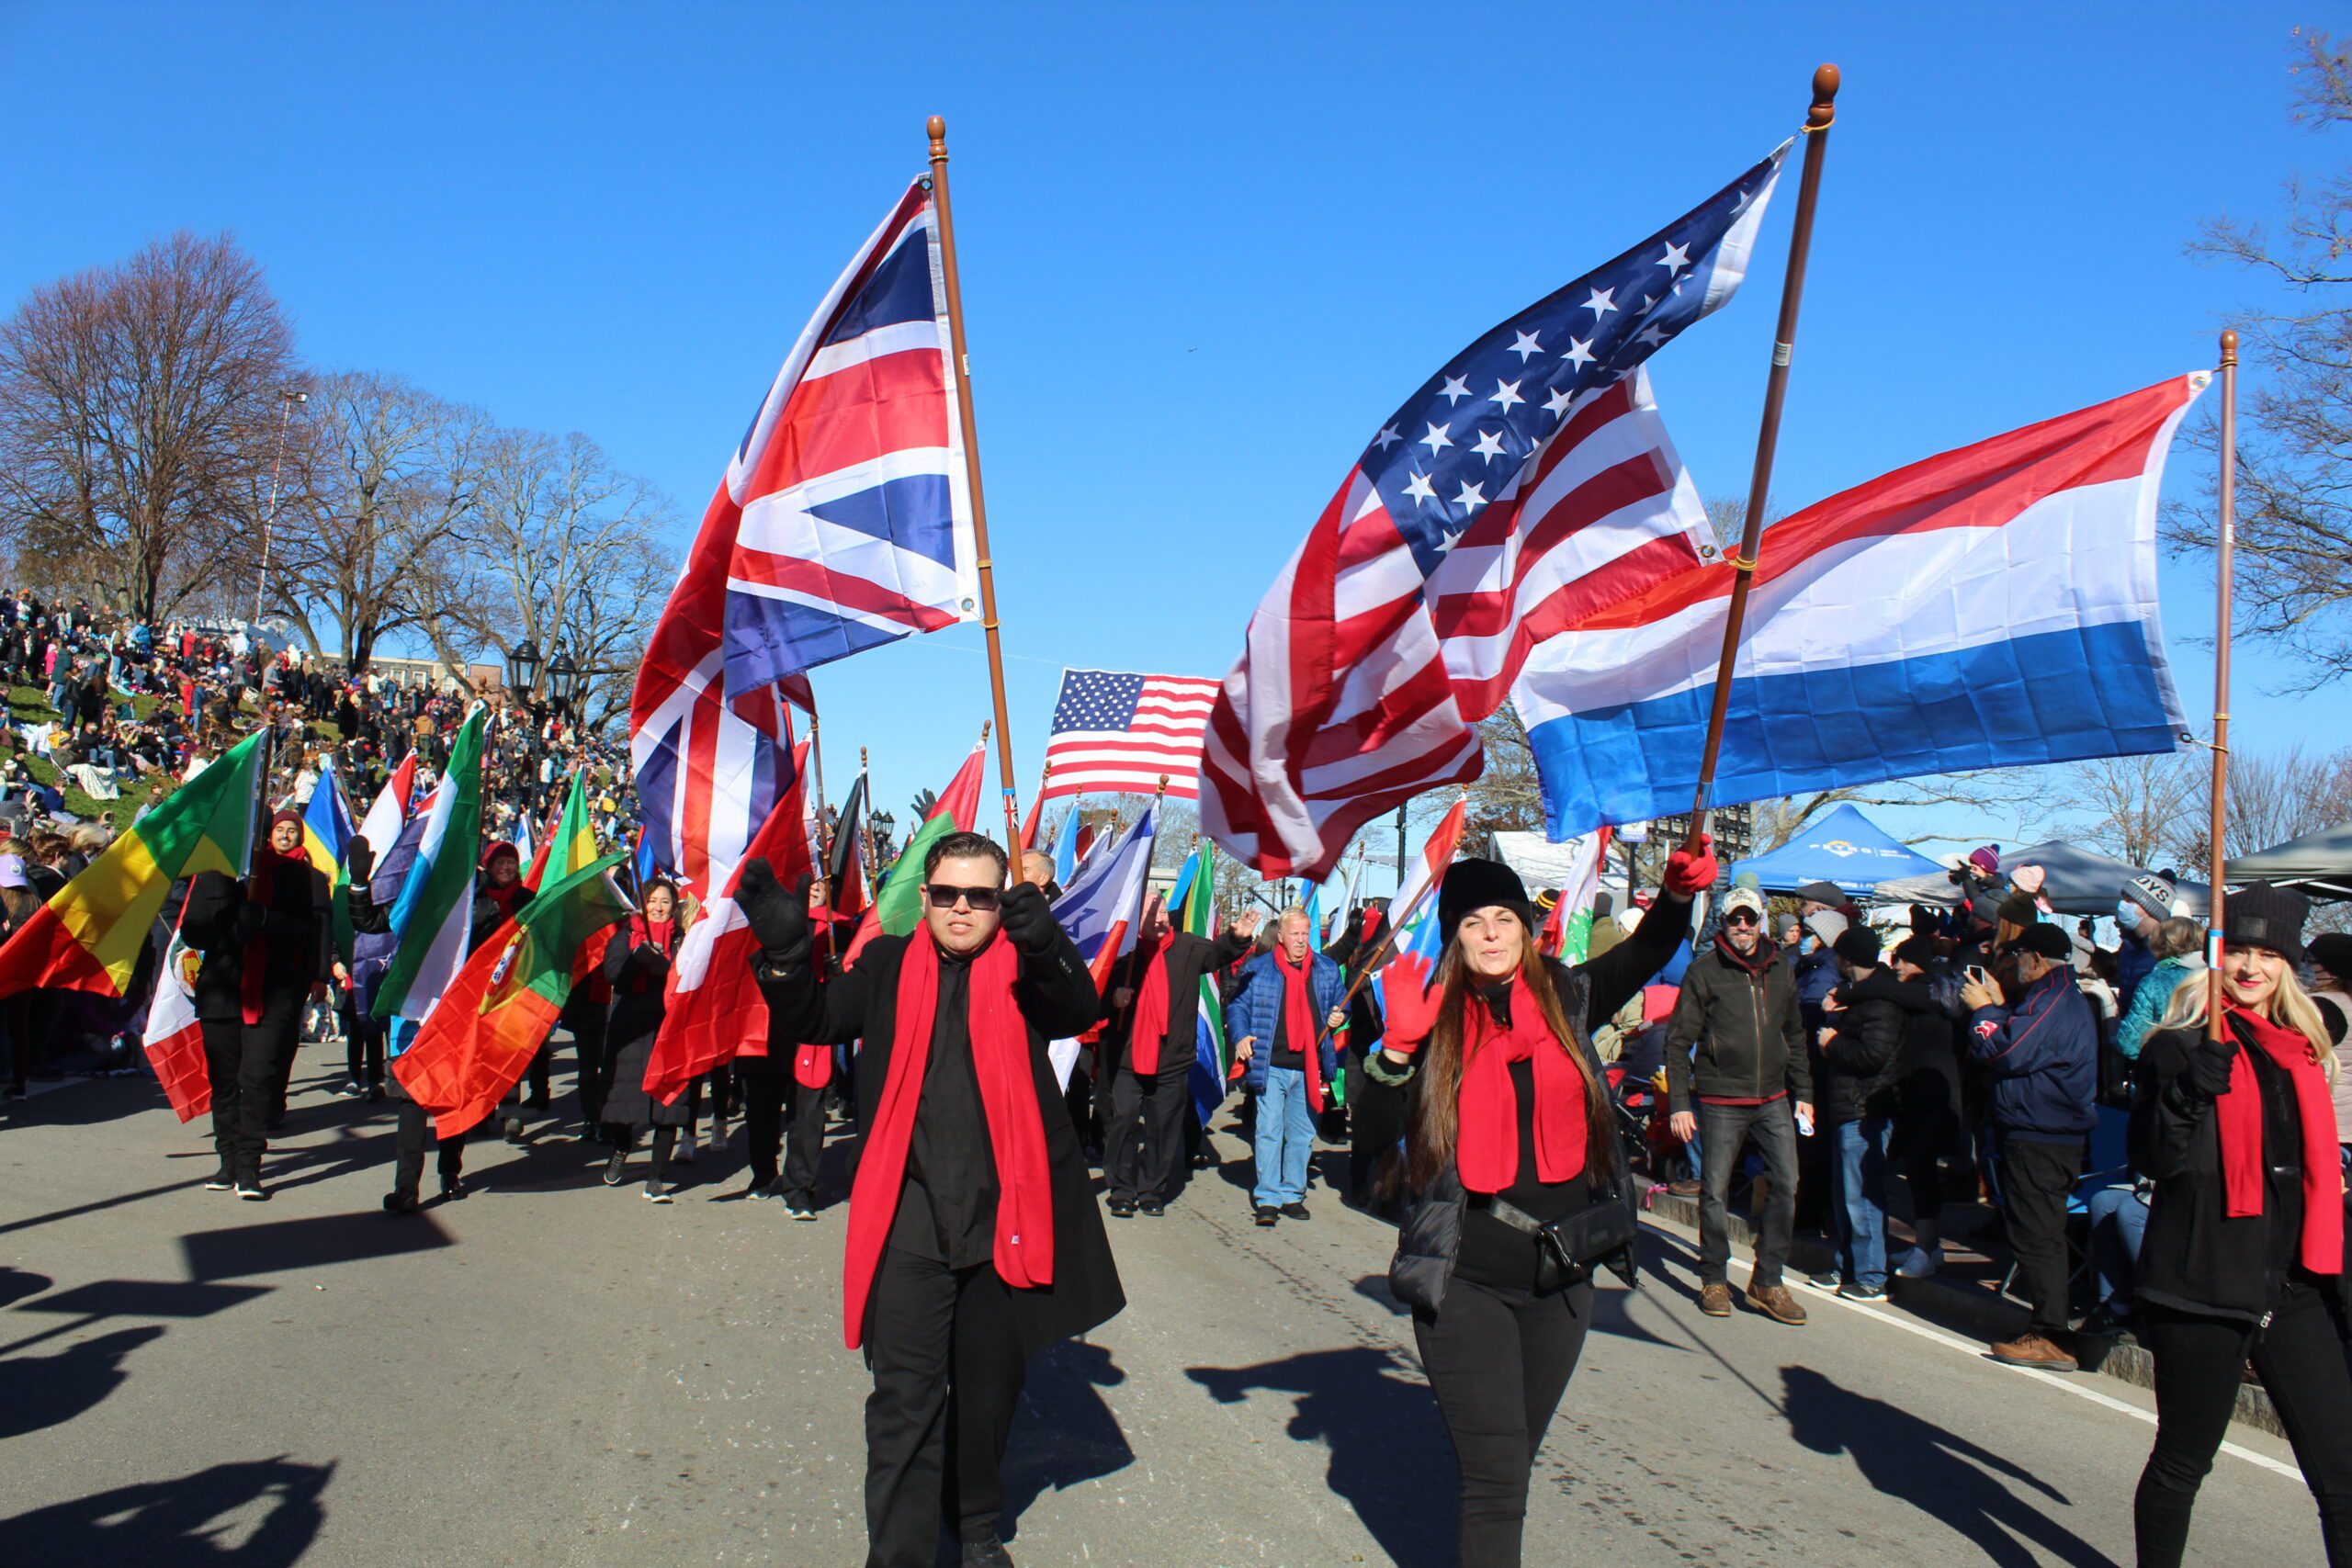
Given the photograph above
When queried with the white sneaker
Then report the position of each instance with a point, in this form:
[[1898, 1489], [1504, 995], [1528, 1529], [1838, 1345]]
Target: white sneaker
[[1920, 1262]]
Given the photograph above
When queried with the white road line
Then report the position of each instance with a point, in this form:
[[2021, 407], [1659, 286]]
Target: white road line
[[2064, 1381]]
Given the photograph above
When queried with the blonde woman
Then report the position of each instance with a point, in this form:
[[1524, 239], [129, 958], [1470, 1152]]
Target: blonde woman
[[2243, 1257]]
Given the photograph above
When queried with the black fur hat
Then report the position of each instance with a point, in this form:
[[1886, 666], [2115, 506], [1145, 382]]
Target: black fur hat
[[1472, 885]]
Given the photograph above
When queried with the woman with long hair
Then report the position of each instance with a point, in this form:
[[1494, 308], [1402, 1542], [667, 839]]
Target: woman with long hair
[[637, 963], [1508, 1129], [2244, 1258]]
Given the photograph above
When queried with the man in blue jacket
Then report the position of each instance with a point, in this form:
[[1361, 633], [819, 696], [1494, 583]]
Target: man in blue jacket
[[1281, 1023], [2041, 1054]]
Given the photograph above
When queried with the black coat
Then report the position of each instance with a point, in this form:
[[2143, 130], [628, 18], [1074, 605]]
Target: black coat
[[298, 932], [630, 1026], [1747, 1027], [2194, 1259], [1589, 994], [1189, 958], [1858, 1063], [1056, 999], [1927, 1063]]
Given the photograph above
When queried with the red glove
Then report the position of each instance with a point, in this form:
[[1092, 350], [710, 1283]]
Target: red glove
[[1687, 874], [1407, 1002]]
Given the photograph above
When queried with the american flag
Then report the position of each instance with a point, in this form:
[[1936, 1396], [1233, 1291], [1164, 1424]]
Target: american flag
[[1526, 484], [844, 521], [1116, 732]]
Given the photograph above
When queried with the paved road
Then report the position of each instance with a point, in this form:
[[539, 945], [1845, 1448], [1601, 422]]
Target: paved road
[[557, 1372]]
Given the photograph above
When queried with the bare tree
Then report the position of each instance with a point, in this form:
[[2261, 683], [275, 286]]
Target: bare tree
[[139, 406], [2272, 796], [387, 483], [2136, 809]]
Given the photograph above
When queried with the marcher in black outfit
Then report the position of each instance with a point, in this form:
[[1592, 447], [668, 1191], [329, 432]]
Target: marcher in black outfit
[[499, 896], [974, 1238], [782, 1082], [1507, 1124], [2244, 1256], [266, 942], [1155, 997], [636, 963]]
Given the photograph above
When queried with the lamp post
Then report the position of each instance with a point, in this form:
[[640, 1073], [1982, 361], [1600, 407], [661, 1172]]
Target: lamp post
[[564, 678], [883, 824], [523, 667], [287, 398]]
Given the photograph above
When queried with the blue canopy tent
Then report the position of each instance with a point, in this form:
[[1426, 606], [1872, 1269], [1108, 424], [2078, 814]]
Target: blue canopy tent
[[1845, 848]]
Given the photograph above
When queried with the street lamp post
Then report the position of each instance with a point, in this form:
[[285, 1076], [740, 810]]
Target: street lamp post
[[522, 669], [287, 398], [564, 681]]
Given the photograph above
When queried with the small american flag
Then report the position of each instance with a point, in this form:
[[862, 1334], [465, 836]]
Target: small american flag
[[1116, 733], [1526, 485]]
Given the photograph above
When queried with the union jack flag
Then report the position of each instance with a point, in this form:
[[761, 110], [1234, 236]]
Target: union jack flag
[[843, 521], [1527, 484]]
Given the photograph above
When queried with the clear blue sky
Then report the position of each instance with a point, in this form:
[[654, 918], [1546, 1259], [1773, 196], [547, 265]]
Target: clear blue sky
[[1205, 250]]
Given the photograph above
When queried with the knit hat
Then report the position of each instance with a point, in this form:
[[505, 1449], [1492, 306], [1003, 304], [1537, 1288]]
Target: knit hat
[[2018, 910], [2262, 916], [1827, 924], [1986, 858], [2152, 893], [2332, 951], [1745, 899], [1858, 945], [1472, 885]]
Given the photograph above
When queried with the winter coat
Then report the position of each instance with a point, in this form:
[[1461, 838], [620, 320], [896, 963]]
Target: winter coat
[[2148, 1003], [2193, 1257], [1058, 1000], [1430, 1238], [1257, 1012], [1859, 1061], [637, 972], [2133, 964], [2042, 1058], [1747, 1027], [297, 935], [1925, 1071], [1189, 958]]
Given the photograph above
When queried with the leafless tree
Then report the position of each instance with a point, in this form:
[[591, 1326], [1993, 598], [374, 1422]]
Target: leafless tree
[[139, 406], [2272, 796], [2136, 809]]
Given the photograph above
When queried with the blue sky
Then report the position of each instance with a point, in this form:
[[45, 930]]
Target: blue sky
[[1205, 250]]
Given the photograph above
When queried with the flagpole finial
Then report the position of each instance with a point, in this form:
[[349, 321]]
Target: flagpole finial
[[936, 128], [2229, 347], [1824, 110]]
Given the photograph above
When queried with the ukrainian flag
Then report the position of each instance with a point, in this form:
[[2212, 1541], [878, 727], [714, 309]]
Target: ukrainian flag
[[326, 823]]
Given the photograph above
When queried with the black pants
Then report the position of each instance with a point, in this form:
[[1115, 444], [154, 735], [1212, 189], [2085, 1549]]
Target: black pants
[[780, 1115], [1724, 1131], [947, 1373], [588, 1043], [2037, 1178], [363, 1049], [2199, 1361], [1144, 1141], [1499, 1361], [1375, 1121], [414, 1131], [541, 1063], [245, 1063]]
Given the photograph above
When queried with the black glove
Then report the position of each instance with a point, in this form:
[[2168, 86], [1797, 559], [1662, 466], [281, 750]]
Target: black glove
[[779, 919], [2210, 1062], [361, 857], [1029, 920], [252, 919]]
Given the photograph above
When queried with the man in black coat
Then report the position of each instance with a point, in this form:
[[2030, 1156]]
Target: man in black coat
[[951, 1192], [267, 942], [1144, 1141], [1857, 1102]]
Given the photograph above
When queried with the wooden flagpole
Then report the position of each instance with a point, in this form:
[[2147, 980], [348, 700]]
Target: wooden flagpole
[[816, 777], [1759, 484], [865, 827], [938, 129], [2228, 539]]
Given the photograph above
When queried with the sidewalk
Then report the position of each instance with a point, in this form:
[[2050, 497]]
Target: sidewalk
[[1964, 1296]]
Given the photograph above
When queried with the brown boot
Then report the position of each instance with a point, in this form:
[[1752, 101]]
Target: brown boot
[[2030, 1349], [1715, 1300], [1775, 1302]]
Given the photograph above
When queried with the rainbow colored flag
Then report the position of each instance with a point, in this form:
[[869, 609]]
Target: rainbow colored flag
[[89, 935]]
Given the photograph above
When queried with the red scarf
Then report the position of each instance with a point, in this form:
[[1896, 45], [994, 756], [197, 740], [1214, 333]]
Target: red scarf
[[2238, 1121], [1486, 1149], [1299, 1022], [261, 890], [1024, 1205], [643, 932], [1150, 1025]]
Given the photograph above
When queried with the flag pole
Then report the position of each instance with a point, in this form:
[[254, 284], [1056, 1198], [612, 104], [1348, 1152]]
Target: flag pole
[[2224, 550], [865, 827], [1143, 902], [816, 776], [938, 130], [1776, 385]]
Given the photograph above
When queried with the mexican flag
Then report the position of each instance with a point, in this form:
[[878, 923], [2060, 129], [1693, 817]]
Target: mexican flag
[[490, 1020], [90, 933], [434, 910], [174, 1039]]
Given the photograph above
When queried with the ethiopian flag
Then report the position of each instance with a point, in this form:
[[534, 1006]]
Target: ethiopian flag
[[490, 1022], [89, 935]]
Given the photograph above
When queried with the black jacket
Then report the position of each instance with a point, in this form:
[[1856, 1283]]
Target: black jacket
[[1057, 999], [298, 932], [2194, 1259], [1926, 1072], [1429, 1241], [1189, 958], [1860, 1060], [1747, 1027]]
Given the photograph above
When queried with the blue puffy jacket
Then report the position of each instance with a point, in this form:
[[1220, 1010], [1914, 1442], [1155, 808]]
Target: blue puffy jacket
[[2133, 964], [1257, 1011], [2042, 1058]]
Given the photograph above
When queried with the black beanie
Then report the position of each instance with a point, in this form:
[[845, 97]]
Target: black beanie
[[1473, 884], [2259, 915], [1858, 945]]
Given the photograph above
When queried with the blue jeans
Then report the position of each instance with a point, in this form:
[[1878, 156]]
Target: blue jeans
[[1286, 1138], [1860, 1211], [2119, 1221]]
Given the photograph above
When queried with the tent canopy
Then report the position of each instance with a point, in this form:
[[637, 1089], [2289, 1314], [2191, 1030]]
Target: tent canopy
[[2079, 881], [1845, 848], [2320, 864]]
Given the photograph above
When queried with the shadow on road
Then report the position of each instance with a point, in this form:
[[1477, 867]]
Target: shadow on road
[[1368, 1406], [37, 1391], [307, 1243], [1063, 1433], [192, 1520], [1944, 1476]]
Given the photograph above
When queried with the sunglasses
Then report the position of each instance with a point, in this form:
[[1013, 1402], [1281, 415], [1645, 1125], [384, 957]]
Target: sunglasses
[[981, 899], [1741, 917]]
